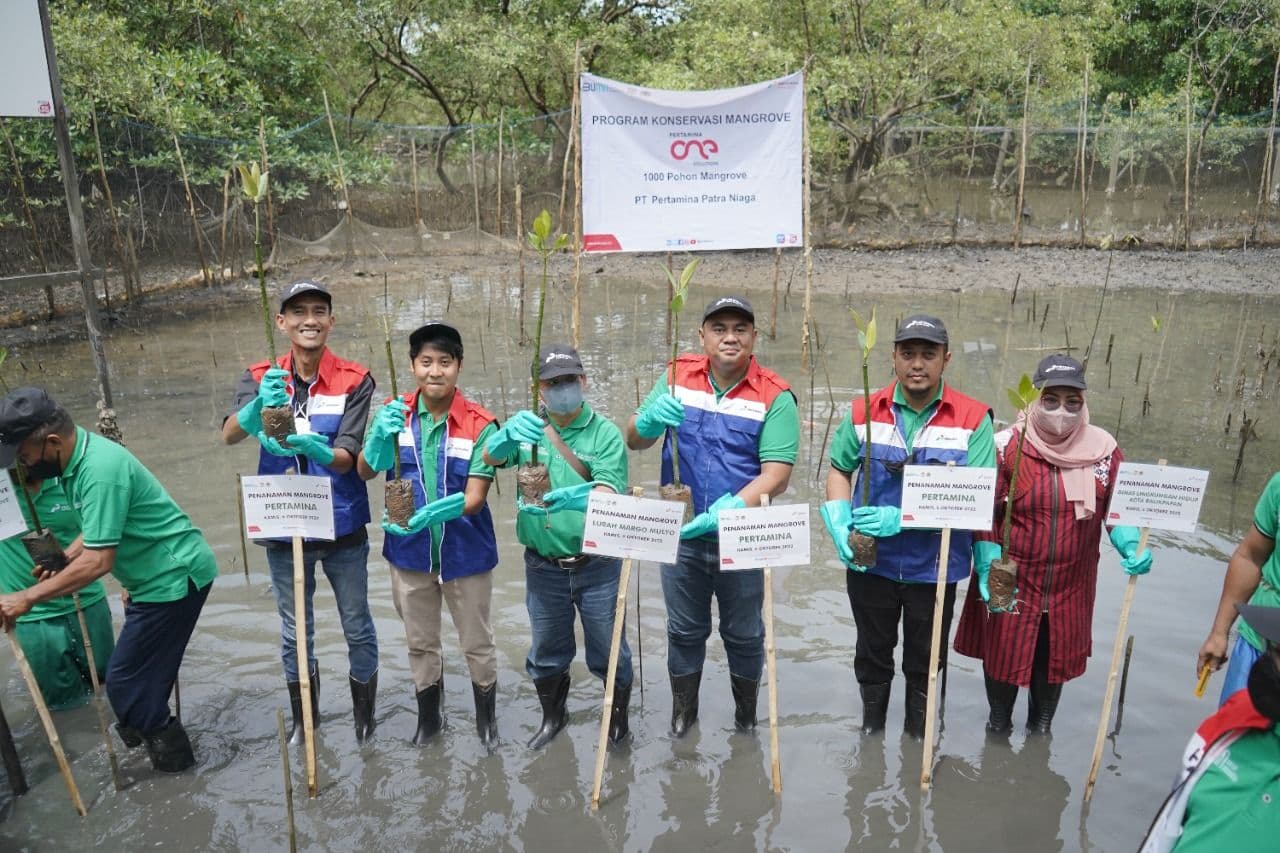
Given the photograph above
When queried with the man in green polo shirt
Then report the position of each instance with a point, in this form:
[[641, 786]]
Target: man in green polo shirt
[[583, 452], [50, 633], [134, 530]]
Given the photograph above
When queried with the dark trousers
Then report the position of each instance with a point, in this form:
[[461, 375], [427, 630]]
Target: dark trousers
[[148, 653], [878, 605]]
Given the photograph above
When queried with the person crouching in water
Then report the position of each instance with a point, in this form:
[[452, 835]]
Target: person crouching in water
[[447, 551], [584, 452]]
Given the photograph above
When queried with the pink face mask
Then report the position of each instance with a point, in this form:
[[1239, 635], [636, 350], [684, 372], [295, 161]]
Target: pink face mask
[[1058, 423]]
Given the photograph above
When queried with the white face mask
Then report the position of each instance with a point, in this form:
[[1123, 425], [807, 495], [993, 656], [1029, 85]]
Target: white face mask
[[1057, 423]]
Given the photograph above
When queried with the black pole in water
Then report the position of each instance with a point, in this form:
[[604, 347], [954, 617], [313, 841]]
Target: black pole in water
[[12, 765]]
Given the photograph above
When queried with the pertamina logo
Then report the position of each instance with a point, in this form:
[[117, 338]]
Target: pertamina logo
[[681, 148]]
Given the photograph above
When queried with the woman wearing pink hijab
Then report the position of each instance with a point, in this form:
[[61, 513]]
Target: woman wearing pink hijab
[[1064, 486]]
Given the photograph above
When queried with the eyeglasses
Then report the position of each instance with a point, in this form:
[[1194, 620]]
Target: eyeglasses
[[1052, 404]]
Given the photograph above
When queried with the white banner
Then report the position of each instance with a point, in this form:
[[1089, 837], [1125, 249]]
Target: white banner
[[938, 496], [626, 526], [691, 171], [286, 506], [11, 521], [1158, 496], [23, 66], [763, 536]]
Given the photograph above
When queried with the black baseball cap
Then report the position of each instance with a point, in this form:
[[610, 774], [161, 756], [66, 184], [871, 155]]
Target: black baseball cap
[[434, 332], [1264, 620], [301, 288], [556, 360], [922, 327], [22, 412], [729, 303], [1059, 369]]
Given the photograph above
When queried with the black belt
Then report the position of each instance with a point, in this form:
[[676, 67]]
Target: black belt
[[577, 561]]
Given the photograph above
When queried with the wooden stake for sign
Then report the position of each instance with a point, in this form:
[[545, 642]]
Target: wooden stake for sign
[[43, 710], [808, 243], [97, 694], [619, 617], [1114, 672], [1022, 160], [576, 114], [288, 781], [244, 542], [304, 664], [771, 665], [935, 654]]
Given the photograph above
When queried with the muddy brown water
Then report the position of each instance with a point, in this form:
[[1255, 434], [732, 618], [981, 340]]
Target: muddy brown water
[[173, 380]]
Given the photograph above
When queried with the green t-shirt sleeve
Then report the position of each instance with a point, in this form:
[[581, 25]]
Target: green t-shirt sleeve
[[610, 463], [1266, 515], [104, 507], [846, 448], [780, 435], [659, 388], [480, 468], [982, 445]]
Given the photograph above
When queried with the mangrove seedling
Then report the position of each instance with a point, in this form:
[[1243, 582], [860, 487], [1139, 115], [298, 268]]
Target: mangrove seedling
[[277, 421], [864, 546], [675, 490], [1004, 572], [532, 478], [398, 496]]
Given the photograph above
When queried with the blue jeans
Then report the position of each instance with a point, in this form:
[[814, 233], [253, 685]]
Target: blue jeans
[[687, 587], [551, 594], [347, 568], [1243, 657]]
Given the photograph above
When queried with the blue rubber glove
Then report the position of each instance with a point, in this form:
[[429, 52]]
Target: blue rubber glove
[[1126, 541], [522, 427], [838, 517], [568, 498], [437, 512], [984, 553], [381, 444], [274, 447], [271, 393], [878, 521], [709, 521], [313, 446], [652, 421]]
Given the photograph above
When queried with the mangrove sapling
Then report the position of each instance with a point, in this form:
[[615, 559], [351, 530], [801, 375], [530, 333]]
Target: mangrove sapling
[[1003, 580], [43, 549], [277, 421], [532, 478], [675, 490], [864, 546], [398, 495]]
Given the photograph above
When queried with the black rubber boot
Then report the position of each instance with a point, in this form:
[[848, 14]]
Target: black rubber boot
[[917, 702], [486, 713], [295, 706], [684, 702], [132, 737], [363, 696], [875, 706], [170, 748], [430, 712], [619, 727], [745, 695], [553, 693], [1000, 698], [1042, 704]]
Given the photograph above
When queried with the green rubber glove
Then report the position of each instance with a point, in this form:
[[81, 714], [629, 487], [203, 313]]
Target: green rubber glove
[[271, 393], [273, 447], [568, 498], [438, 512], [1126, 541], [878, 521], [838, 517], [381, 444], [984, 553], [653, 420], [524, 427], [709, 521], [313, 446]]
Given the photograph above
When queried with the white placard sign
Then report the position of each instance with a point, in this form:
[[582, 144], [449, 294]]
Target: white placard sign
[[1158, 496], [626, 526], [23, 65], [691, 171], [287, 506], [11, 521], [937, 496], [763, 536]]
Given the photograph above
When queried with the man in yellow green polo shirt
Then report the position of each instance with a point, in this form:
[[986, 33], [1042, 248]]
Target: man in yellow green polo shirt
[[50, 632], [583, 452], [134, 530]]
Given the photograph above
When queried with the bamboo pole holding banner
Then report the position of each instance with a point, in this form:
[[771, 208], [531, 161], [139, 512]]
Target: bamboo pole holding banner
[[771, 663], [935, 654], [808, 233], [97, 693], [43, 710], [576, 114], [615, 646]]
